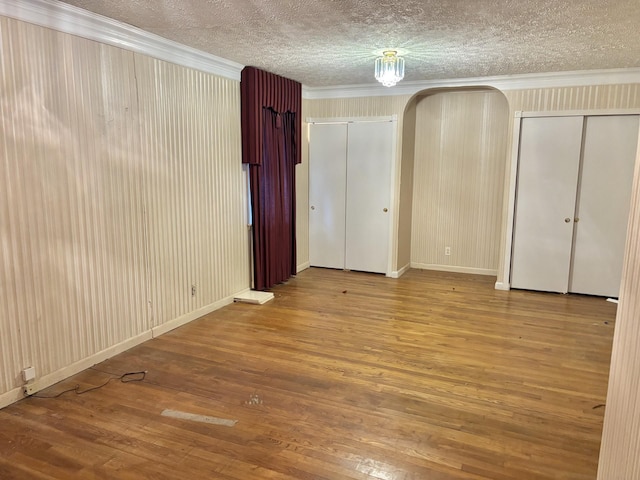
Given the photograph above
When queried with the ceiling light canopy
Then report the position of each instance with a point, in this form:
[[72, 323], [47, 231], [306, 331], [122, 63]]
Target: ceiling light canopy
[[389, 68]]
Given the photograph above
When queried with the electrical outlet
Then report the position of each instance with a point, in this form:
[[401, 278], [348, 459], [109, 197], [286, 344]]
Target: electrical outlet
[[30, 389], [447, 250], [193, 290]]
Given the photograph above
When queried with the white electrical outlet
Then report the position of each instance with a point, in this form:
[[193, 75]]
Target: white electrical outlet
[[28, 374], [30, 389], [447, 250]]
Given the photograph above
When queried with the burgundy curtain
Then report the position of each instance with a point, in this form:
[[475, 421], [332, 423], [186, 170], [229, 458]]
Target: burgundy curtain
[[271, 129]]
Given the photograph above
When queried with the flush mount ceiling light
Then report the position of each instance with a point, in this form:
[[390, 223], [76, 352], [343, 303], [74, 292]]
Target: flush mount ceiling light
[[389, 68]]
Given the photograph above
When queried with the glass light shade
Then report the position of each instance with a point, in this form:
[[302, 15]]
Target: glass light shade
[[389, 68]]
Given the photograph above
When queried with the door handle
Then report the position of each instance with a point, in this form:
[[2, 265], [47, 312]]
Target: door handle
[[567, 220], [312, 207], [385, 210]]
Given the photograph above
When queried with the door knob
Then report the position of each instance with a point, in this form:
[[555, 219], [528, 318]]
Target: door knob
[[567, 220], [385, 210], [312, 207], [576, 219]]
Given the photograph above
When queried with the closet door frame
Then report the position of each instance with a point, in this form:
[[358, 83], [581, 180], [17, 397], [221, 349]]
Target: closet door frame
[[394, 177], [512, 175]]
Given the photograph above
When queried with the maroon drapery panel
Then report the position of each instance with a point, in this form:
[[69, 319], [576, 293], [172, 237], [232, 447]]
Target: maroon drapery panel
[[259, 90], [271, 129]]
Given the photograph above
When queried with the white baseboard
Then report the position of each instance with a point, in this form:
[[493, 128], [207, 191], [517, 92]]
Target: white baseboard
[[12, 396], [455, 269], [502, 286], [302, 266], [45, 381], [191, 316], [400, 272], [65, 372]]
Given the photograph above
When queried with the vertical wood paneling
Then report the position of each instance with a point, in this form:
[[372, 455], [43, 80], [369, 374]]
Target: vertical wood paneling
[[405, 197], [460, 152], [302, 195], [591, 97], [195, 188], [120, 187], [619, 459], [357, 107], [73, 266]]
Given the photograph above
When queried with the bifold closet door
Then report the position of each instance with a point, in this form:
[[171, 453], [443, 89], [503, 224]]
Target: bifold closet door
[[370, 151], [604, 196], [350, 195], [327, 194], [548, 170]]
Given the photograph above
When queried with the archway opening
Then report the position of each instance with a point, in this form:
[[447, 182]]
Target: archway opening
[[454, 153]]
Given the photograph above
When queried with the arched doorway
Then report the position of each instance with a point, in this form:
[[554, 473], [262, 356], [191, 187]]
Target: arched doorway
[[452, 179]]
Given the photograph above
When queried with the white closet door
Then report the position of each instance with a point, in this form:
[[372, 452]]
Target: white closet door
[[327, 190], [604, 198], [547, 178], [370, 154]]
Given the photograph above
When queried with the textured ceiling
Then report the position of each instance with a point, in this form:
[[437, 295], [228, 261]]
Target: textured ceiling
[[440, 39]]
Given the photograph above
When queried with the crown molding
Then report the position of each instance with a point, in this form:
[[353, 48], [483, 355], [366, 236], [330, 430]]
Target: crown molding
[[506, 82], [69, 19], [82, 23]]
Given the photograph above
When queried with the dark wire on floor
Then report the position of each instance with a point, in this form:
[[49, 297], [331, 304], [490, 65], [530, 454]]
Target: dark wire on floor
[[124, 378]]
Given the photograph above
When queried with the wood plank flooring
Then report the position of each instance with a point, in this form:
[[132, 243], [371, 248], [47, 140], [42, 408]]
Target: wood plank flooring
[[344, 375]]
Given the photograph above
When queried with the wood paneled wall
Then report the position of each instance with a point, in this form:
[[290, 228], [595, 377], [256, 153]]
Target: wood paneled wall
[[459, 162], [619, 452], [302, 196], [590, 97], [121, 187], [405, 197]]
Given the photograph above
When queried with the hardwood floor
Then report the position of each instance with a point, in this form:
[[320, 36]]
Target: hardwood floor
[[343, 376]]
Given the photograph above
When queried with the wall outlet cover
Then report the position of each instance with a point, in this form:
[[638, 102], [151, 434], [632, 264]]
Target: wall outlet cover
[[28, 374]]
